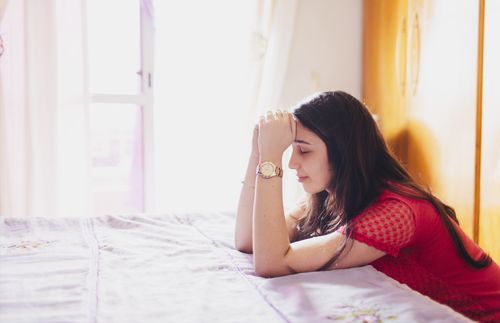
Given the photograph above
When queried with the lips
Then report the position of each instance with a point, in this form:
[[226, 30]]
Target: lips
[[301, 178]]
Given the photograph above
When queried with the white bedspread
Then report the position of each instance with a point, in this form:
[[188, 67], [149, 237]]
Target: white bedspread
[[178, 268]]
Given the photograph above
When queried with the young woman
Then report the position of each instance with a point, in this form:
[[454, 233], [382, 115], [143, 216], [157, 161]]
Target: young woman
[[363, 208]]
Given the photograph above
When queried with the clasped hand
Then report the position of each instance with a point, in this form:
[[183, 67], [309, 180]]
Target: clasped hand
[[276, 131]]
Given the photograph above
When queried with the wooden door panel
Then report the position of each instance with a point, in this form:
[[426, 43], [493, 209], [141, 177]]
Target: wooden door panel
[[442, 104], [489, 215], [384, 61]]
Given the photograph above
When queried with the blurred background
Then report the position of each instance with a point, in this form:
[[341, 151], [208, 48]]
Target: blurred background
[[147, 106]]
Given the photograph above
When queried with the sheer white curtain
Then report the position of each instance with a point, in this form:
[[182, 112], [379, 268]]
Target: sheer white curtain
[[218, 65], [273, 36], [43, 141]]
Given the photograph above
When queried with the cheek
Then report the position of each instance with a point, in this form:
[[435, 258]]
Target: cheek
[[320, 171], [326, 173], [319, 180]]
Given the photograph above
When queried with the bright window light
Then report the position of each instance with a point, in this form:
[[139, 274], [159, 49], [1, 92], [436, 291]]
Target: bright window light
[[114, 46], [116, 134], [201, 102], [115, 112]]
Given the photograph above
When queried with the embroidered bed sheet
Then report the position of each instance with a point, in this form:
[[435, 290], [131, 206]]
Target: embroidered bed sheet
[[178, 268]]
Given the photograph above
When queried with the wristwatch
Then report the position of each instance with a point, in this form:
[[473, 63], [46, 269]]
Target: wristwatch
[[267, 169]]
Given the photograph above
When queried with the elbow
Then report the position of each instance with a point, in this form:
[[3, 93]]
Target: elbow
[[271, 271], [270, 268], [241, 246], [264, 273]]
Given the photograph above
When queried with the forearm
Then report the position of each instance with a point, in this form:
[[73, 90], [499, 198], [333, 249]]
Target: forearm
[[270, 236], [243, 229]]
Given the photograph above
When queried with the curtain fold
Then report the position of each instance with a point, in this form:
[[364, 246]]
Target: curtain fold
[[276, 21], [272, 43], [148, 8], [44, 151]]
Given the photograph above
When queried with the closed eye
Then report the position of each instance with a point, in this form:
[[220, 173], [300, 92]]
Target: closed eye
[[301, 149]]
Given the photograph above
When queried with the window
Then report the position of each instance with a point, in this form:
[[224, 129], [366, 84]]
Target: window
[[119, 80], [202, 116], [202, 53]]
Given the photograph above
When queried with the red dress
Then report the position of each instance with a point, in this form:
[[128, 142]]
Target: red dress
[[421, 254]]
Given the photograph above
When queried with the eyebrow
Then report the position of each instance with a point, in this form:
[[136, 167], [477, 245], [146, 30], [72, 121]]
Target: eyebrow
[[301, 142]]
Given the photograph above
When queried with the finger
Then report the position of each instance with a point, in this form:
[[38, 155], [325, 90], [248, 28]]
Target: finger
[[262, 120], [269, 115], [279, 114]]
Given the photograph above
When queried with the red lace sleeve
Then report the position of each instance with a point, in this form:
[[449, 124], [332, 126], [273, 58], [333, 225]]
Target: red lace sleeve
[[387, 225]]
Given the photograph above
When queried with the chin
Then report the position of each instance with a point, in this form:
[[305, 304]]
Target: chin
[[311, 190]]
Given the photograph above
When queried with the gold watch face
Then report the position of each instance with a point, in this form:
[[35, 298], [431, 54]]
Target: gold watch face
[[267, 169]]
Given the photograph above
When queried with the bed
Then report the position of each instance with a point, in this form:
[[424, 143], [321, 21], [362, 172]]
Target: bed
[[178, 268]]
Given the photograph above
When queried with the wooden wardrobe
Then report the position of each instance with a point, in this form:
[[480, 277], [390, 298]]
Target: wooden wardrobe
[[432, 75]]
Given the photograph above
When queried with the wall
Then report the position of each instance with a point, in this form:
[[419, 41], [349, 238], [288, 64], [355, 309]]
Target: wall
[[326, 50], [325, 54]]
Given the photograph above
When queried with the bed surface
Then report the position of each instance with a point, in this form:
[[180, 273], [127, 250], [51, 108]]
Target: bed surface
[[178, 268]]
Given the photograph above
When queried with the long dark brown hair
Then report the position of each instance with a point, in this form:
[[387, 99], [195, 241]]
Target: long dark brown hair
[[362, 166]]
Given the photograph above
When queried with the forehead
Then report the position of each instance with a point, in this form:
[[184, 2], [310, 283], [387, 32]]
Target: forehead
[[304, 134]]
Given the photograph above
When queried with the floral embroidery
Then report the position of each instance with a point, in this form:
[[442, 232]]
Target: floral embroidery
[[27, 244], [361, 314]]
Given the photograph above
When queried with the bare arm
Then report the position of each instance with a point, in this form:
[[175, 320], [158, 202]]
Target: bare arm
[[273, 251], [271, 240], [244, 217], [244, 214]]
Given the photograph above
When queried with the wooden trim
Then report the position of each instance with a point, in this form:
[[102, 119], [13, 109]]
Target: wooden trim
[[479, 115]]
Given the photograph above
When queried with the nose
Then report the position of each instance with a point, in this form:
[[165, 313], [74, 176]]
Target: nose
[[294, 161]]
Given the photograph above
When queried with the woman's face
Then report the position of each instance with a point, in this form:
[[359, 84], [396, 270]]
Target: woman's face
[[310, 160]]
